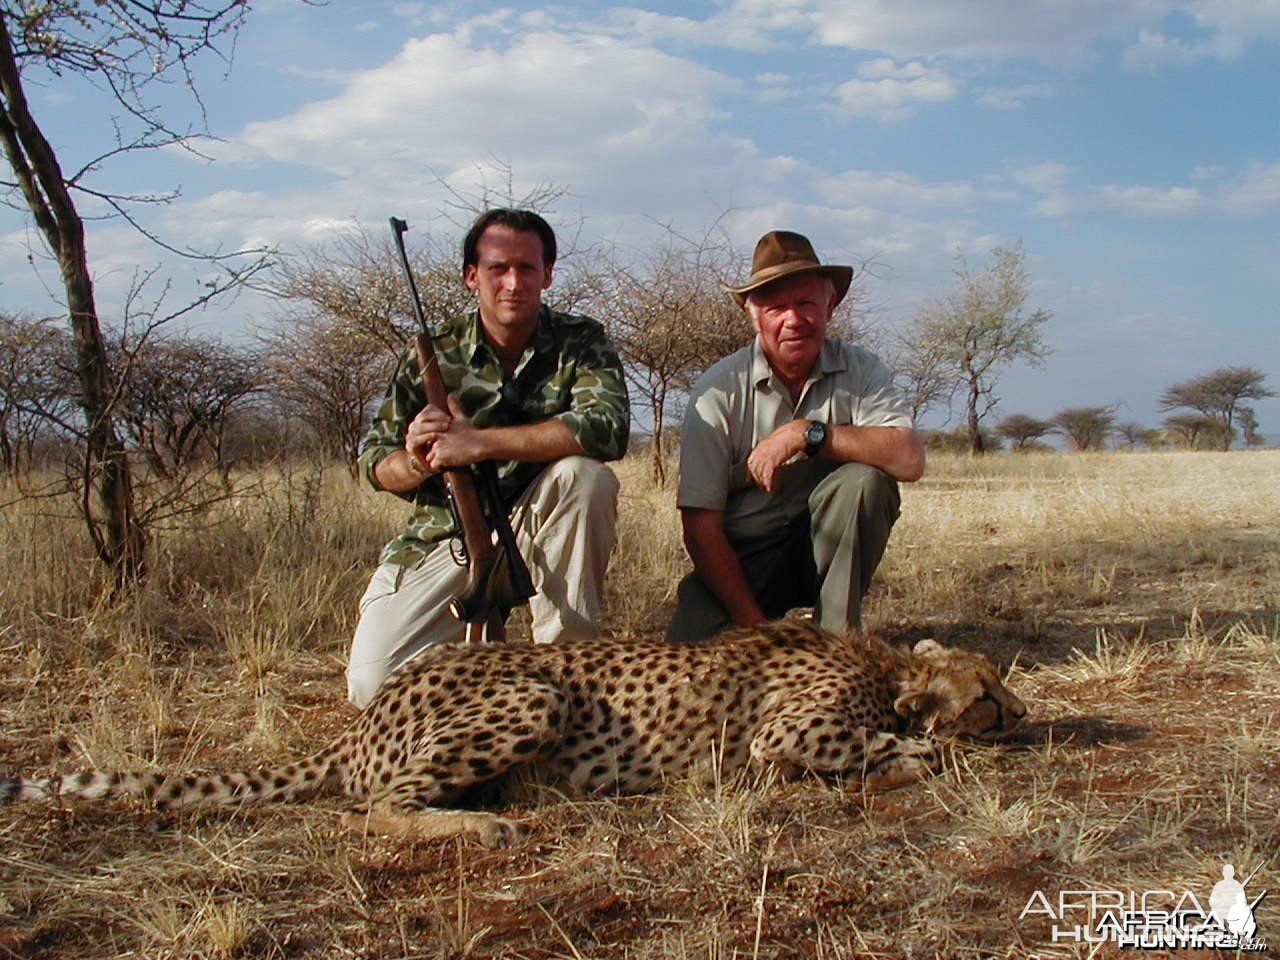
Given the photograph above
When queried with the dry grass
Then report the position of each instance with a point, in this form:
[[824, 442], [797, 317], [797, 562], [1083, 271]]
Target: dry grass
[[1135, 600]]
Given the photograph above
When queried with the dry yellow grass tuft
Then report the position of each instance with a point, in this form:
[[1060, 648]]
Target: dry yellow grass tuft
[[1134, 599]]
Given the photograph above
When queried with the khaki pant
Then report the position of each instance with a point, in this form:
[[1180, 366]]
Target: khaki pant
[[565, 526], [824, 559]]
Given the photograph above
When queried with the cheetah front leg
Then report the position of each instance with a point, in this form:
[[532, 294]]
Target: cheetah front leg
[[823, 741], [433, 823]]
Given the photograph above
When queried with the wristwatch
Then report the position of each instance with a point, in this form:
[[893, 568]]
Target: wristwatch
[[815, 435]]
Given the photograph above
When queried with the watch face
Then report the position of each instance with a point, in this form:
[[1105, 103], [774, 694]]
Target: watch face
[[814, 436]]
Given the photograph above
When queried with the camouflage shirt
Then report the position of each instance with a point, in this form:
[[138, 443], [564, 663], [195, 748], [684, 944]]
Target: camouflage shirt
[[569, 371]]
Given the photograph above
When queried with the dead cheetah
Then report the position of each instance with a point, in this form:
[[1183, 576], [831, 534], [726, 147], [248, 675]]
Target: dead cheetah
[[612, 715]]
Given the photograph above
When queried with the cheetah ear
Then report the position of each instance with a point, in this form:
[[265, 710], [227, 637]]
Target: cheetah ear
[[927, 646]]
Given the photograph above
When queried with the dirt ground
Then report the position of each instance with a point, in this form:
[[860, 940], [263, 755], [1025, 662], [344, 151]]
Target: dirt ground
[[1146, 645]]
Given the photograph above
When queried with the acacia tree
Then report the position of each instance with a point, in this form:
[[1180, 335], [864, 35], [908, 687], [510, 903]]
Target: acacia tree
[[325, 377], [670, 320], [343, 319], [980, 327], [1086, 428], [356, 281], [1247, 417], [1021, 430], [1131, 433], [1217, 395], [1194, 431], [127, 49], [37, 390], [922, 372], [179, 394]]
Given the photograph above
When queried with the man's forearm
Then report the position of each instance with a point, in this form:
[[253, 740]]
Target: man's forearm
[[895, 450], [718, 565], [399, 472], [530, 443]]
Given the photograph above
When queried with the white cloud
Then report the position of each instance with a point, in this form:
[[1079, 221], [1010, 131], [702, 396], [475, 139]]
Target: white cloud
[[1014, 98], [1145, 201], [892, 189], [1138, 201], [1041, 30], [889, 91], [723, 29], [1046, 177], [1154, 49], [562, 104], [1237, 20], [1254, 193]]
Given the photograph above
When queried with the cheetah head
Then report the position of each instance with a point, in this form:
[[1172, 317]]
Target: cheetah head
[[950, 692]]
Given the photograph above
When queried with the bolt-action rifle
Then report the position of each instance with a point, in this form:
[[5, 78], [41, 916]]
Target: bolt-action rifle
[[497, 578]]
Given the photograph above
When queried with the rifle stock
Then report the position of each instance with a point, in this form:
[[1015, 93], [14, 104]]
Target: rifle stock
[[493, 587]]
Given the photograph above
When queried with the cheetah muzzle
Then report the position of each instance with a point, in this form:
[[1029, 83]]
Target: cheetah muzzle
[[612, 715]]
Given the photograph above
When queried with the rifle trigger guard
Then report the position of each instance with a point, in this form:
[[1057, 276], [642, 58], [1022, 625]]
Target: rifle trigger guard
[[457, 545]]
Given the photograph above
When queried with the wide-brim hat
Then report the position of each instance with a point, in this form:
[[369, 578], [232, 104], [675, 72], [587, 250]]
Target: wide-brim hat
[[781, 253]]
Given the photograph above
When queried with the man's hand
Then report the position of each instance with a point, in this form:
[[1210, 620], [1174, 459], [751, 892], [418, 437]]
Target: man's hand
[[449, 437], [421, 434], [764, 462]]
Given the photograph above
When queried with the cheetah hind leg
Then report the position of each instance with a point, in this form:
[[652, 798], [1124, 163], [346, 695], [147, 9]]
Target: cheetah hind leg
[[432, 823], [442, 769]]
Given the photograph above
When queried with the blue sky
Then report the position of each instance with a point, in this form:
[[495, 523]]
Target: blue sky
[[1133, 146]]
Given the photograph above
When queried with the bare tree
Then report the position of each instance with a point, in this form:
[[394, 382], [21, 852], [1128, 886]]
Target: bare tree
[[1086, 428], [128, 49], [37, 389], [1131, 433], [325, 377], [1154, 438], [922, 371], [956, 440], [1247, 417], [496, 185], [355, 280], [1195, 431], [1021, 430], [343, 320], [670, 320], [979, 328], [179, 395], [1217, 395]]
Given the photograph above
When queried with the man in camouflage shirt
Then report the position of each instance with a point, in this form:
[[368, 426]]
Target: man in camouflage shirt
[[538, 391]]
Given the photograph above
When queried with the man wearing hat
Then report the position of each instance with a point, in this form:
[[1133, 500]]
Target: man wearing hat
[[790, 458]]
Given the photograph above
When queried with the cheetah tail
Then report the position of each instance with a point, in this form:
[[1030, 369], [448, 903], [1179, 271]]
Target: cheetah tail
[[295, 781]]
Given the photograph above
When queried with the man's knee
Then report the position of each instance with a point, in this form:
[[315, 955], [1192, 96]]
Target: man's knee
[[856, 488], [698, 615], [582, 481], [581, 471], [363, 681]]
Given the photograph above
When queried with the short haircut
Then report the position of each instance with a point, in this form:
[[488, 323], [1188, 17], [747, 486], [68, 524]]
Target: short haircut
[[524, 221]]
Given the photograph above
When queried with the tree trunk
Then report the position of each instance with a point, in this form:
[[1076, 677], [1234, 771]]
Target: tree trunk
[[107, 501], [659, 453], [976, 446]]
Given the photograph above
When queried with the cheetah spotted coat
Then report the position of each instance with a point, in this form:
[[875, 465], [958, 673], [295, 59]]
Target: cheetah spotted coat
[[613, 715]]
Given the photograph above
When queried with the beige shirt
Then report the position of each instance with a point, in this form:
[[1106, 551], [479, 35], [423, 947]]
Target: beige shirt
[[739, 401]]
